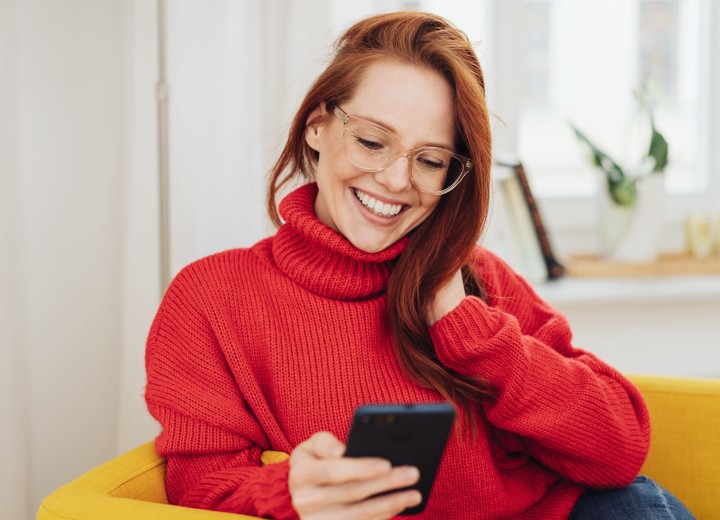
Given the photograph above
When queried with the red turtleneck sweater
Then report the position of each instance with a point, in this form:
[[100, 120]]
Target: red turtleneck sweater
[[256, 349]]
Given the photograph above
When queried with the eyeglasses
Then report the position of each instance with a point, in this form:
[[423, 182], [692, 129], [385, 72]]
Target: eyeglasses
[[371, 148]]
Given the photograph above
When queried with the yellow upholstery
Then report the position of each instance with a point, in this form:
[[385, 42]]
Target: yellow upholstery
[[685, 448], [129, 487], [684, 457]]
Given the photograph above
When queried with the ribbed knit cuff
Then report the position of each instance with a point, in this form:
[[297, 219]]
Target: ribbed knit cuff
[[273, 494], [471, 333]]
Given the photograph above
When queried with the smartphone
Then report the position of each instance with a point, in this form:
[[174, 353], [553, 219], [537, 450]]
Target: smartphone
[[404, 434]]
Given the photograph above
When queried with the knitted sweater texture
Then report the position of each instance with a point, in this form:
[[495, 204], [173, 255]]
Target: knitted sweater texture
[[256, 349]]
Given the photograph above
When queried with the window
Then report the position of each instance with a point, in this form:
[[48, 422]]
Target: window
[[550, 63], [584, 62]]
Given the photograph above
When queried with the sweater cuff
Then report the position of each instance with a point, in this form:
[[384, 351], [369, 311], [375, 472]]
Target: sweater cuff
[[474, 333], [469, 319], [273, 493]]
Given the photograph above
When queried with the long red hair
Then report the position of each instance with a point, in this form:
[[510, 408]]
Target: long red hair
[[444, 242]]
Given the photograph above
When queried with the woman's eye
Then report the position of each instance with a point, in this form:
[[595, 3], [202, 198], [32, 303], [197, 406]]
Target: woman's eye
[[369, 144], [431, 163]]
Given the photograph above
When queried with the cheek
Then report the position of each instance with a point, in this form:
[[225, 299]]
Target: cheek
[[332, 165], [427, 207], [429, 203]]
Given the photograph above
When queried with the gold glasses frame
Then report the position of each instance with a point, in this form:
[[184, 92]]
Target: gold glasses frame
[[347, 120]]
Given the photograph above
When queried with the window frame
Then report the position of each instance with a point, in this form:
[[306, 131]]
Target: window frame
[[572, 218]]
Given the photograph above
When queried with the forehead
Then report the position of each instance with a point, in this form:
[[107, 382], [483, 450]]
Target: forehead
[[417, 103]]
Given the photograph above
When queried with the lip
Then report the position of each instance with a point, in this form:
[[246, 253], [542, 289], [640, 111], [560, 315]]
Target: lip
[[372, 217]]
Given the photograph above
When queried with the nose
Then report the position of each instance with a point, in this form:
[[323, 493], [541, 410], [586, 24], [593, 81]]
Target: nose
[[396, 175]]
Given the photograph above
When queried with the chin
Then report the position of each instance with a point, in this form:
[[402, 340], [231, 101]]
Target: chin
[[370, 246]]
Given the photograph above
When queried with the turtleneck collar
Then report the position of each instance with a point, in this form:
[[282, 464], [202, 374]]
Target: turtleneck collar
[[322, 260]]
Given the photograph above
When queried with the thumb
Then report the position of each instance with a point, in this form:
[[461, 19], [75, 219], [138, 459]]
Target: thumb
[[324, 445]]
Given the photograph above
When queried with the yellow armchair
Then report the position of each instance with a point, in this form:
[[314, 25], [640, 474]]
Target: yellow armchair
[[129, 487], [685, 447], [684, 457]]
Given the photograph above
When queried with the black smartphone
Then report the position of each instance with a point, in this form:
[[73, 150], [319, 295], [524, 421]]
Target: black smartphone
[[404, 434]]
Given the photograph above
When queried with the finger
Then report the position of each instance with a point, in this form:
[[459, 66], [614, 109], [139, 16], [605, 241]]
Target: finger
[[319, 497], [331, 472], [381, 508], [309, 493], [398, 478], [324, 445], [320, 446], [378, 508]]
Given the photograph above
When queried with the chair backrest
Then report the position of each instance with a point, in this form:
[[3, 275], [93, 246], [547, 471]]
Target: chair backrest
[[685, 447]]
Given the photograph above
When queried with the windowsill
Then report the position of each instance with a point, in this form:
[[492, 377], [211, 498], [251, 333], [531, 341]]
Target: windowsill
[[646, 290]]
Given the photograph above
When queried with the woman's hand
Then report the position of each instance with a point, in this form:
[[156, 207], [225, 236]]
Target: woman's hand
[[326, 485], [446, 299]]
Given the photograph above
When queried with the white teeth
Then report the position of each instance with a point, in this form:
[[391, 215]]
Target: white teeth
[[377, 207]]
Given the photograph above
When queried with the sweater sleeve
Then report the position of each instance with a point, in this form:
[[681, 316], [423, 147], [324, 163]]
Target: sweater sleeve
[[210, 437], [569, 410]]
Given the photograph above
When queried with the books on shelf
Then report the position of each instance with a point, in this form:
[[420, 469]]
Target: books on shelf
[[516, 229]]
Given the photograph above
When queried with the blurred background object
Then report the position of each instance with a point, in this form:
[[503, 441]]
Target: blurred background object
[[703, 235]]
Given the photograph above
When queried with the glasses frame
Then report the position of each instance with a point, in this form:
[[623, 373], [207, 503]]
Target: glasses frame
[[466, 163]]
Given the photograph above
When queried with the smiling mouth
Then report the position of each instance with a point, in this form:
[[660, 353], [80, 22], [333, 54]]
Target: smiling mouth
[[377, 207]]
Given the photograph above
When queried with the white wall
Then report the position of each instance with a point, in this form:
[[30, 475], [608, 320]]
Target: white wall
[[140, 237], [216, 144], [14, 416], [664, 325], [679, 338], [64, 82]]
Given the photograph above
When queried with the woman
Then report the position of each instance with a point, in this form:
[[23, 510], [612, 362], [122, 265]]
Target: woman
[[372, 291]]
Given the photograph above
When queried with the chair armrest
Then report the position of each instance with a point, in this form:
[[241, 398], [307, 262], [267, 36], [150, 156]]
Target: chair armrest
[[685, 446], [129, 487]]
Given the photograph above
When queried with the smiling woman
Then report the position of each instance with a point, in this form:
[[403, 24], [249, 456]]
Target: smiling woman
[[418, 103], [373, 290]]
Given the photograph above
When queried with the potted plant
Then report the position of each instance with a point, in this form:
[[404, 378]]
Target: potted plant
[[630, 222]]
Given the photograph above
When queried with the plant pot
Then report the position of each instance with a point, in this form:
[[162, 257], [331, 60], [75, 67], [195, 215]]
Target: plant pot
[[631, 234]]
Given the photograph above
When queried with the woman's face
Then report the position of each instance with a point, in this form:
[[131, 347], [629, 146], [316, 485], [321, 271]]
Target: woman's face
[[414, 104]]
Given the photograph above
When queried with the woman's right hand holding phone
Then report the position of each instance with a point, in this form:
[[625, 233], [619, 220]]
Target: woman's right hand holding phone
[[324, 484]]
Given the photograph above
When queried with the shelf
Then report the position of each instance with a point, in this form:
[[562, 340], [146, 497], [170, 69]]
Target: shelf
[[672, 279], [665, 265]]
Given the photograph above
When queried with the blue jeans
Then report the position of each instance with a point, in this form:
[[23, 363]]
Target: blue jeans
[[644, 499]]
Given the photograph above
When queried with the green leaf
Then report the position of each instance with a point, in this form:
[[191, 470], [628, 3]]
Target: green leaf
[[600, 159], [659, 148], [623, 191]]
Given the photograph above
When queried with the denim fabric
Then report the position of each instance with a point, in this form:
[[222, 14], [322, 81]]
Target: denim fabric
[[644, 499]]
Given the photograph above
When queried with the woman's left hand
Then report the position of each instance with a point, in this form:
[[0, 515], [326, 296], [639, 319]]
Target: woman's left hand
[[446, 299]]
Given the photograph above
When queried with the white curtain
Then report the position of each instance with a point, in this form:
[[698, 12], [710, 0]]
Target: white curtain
[[14, 470], [62, 202], [236, 73], [79, 232]]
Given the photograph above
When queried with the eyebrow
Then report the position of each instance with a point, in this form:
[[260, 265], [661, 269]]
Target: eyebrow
[[392, 129]]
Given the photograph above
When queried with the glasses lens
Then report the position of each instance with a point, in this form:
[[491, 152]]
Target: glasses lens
[[435, 170], [367, 147], [370, 148]]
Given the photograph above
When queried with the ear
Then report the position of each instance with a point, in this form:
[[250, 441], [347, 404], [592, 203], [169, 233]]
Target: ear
[[314, 125]]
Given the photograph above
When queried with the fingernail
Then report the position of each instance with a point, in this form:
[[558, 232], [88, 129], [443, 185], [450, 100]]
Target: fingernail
[[337, 451], [413, 498], [410, 474]]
